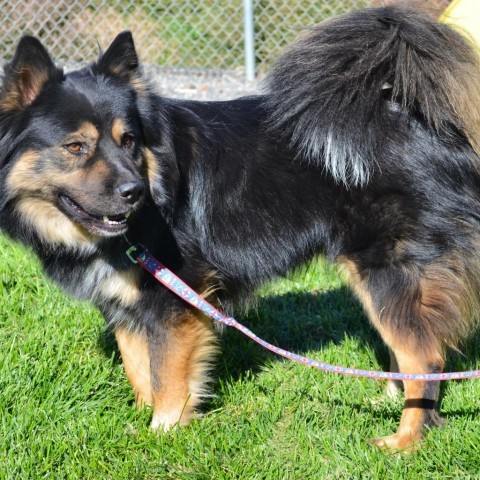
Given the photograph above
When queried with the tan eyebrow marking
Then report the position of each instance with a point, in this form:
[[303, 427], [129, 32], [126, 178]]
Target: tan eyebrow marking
[[118, 129], [87, 131]]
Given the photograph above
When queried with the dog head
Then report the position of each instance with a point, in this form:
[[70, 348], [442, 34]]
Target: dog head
[[72, 166]]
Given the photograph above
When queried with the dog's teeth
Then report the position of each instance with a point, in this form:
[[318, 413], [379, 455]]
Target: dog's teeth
[[105, 219], [128, 214]]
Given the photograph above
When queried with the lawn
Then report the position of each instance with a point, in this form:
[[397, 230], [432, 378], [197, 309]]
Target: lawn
[[67, 410]]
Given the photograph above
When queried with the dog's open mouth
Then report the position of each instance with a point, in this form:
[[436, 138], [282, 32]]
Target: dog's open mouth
[[104, 225]]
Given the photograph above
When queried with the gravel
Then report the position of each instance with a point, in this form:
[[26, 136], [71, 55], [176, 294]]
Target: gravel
[[201, 84]]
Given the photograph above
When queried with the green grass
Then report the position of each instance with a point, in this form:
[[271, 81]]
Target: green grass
[[67, 411]]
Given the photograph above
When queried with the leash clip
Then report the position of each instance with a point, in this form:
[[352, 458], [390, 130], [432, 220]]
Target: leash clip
[[135, 252], [131, 253]]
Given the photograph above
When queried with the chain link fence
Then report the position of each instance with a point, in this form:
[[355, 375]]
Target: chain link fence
[[201, 34]]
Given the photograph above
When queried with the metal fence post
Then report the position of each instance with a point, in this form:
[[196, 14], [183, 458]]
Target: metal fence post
[[249, 40]]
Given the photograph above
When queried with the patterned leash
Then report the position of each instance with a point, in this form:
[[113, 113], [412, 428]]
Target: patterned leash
[[140, 255]]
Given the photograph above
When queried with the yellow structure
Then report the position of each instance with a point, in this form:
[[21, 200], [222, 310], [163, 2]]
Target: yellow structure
[[464, 15]]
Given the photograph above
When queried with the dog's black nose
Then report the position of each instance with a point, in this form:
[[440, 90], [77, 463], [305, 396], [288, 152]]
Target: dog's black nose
[[131, 191]]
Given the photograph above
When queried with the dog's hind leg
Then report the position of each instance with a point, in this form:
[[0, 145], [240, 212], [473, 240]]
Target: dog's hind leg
[[421, 398], [418, 313], [181, 353], [394, 387]]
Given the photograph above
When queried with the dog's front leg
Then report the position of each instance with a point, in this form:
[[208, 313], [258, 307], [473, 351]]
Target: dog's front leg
[[181, 353], [167, 365], [133, 346]]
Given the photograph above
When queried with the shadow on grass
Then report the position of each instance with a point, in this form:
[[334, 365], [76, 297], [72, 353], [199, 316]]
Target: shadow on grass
[[302, 322], [298, 322]]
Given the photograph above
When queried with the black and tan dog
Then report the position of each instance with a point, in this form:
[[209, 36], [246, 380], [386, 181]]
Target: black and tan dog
[[365, 147]]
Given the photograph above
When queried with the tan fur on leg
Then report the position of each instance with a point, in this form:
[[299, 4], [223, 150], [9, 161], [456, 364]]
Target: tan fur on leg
[[421, 398], [180, 371], [133, 347], [410, 352]]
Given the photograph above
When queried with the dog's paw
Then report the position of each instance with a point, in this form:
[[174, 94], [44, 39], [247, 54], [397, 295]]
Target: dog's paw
[[404, 443], [166, 421], [163, 422]]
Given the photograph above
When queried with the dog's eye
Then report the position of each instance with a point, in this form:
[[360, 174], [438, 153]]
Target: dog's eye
[[127, 140], [75, 147]]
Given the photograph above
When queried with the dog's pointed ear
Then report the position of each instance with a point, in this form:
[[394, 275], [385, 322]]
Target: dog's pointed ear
[[121, 59], [26, 75]]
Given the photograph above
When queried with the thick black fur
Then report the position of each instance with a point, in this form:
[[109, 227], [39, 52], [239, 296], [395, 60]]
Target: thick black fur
[[362, 148]]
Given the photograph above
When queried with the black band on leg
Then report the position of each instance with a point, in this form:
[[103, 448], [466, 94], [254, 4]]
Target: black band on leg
[[425, 403]]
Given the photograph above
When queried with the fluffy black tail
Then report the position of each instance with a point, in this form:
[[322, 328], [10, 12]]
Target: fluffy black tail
[[328, 91]]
